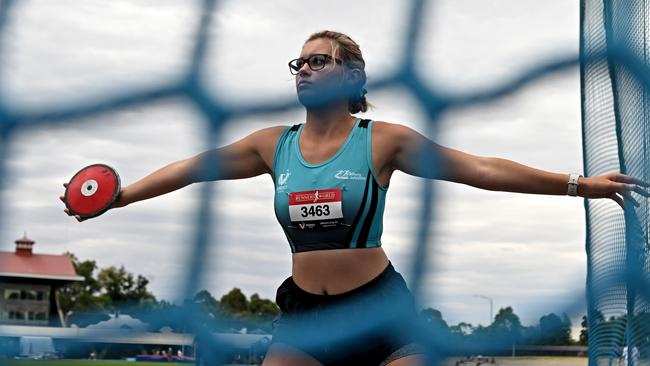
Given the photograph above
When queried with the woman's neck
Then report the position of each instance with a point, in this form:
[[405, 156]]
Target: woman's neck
[[328, 122]]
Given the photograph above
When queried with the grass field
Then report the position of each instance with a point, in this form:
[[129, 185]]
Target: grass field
[[505, 361], [534, 361]]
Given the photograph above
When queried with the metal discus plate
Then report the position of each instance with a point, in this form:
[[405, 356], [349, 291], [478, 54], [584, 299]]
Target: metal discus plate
[[92, 190]]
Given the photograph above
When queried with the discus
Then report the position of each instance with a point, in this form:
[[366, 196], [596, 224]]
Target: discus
[[92, 190]]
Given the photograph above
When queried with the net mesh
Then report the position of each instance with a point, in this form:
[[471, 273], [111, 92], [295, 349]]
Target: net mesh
[[614, 80], [615, 121]]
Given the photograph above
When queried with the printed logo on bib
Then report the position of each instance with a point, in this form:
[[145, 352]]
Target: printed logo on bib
[[317, 209]]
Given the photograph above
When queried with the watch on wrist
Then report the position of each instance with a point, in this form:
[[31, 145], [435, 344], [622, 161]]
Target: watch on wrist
[[573, 184]]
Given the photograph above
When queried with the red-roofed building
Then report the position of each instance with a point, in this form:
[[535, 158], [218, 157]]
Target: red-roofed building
[[28, 284]]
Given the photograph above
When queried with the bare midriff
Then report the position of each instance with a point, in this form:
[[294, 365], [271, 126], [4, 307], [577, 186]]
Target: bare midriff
[[334, 271]]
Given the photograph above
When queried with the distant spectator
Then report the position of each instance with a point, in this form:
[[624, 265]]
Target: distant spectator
[[635, 356]]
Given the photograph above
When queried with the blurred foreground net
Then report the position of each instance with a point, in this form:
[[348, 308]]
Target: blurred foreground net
[[615, 80]]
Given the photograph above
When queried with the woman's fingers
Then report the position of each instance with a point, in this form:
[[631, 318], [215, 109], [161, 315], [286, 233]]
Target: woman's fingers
[[626, 188], [75, 216], [618, 200], [641, 191], [628, 195], [631, 179], [65, 185], [621, 188], [624, 178], [68, 211]]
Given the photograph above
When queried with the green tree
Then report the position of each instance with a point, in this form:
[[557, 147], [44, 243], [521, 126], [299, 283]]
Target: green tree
[[555, 330], [121, 288], [207, 302], [506, 325], [584, 332], [262, 308], [114, 288], [86, 302], [163, 314], [462, 329], [81, 296], [597, 320], [234, 302], [434, 319]]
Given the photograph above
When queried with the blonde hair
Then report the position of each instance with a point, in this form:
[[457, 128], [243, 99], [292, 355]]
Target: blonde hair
[[348, 51]]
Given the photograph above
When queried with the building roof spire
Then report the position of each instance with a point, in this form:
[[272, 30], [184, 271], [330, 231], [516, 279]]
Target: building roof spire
[[24, 245]]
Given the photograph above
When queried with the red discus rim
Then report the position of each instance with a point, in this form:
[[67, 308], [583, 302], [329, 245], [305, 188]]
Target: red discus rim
[[105, 208]]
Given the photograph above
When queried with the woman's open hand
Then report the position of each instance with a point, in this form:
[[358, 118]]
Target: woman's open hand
[[612, 185]]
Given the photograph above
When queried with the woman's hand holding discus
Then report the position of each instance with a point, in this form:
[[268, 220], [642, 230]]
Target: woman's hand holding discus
[[608, 185], [118, 203], [96, 188], [92, 191]]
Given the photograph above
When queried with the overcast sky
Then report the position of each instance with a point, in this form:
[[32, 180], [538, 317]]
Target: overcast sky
[[526, 251]]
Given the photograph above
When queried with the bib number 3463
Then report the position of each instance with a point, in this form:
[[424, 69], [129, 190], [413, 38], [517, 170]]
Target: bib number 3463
[[317, 209]]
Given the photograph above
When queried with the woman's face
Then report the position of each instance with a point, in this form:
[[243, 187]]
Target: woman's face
[[322, 86]]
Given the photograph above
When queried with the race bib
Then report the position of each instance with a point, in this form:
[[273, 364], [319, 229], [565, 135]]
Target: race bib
[[317, 209]]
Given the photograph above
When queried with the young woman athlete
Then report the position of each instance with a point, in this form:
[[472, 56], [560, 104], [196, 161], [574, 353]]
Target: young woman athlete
[[331, 175]]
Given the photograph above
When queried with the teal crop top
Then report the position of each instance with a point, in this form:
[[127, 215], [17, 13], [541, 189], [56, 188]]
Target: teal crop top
[[331, 205]]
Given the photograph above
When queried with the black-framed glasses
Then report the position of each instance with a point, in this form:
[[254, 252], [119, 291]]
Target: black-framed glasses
[[316, 62]]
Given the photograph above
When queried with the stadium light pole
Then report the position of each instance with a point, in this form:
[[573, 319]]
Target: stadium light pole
[[491, 300]]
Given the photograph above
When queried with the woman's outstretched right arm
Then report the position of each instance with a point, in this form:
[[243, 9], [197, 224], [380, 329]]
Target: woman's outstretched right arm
[[251, 156]]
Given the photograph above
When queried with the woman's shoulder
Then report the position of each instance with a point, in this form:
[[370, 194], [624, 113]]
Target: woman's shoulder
[[388, 129], [267, 138], [263, 142], [392, 136], [269, 134], [273, 130]]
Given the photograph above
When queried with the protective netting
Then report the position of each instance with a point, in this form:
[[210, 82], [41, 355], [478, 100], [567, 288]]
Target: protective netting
[[614, 135], [614, 38]]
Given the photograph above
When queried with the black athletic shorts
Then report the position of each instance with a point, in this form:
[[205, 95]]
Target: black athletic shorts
[[368, 325]]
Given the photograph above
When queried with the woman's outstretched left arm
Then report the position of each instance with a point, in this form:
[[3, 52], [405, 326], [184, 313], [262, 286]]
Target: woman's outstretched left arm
[[508, 175], [499, 174]]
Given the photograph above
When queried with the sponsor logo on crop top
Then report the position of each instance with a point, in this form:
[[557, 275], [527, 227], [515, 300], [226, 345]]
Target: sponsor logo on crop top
[[348, 174], [282, 181]]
